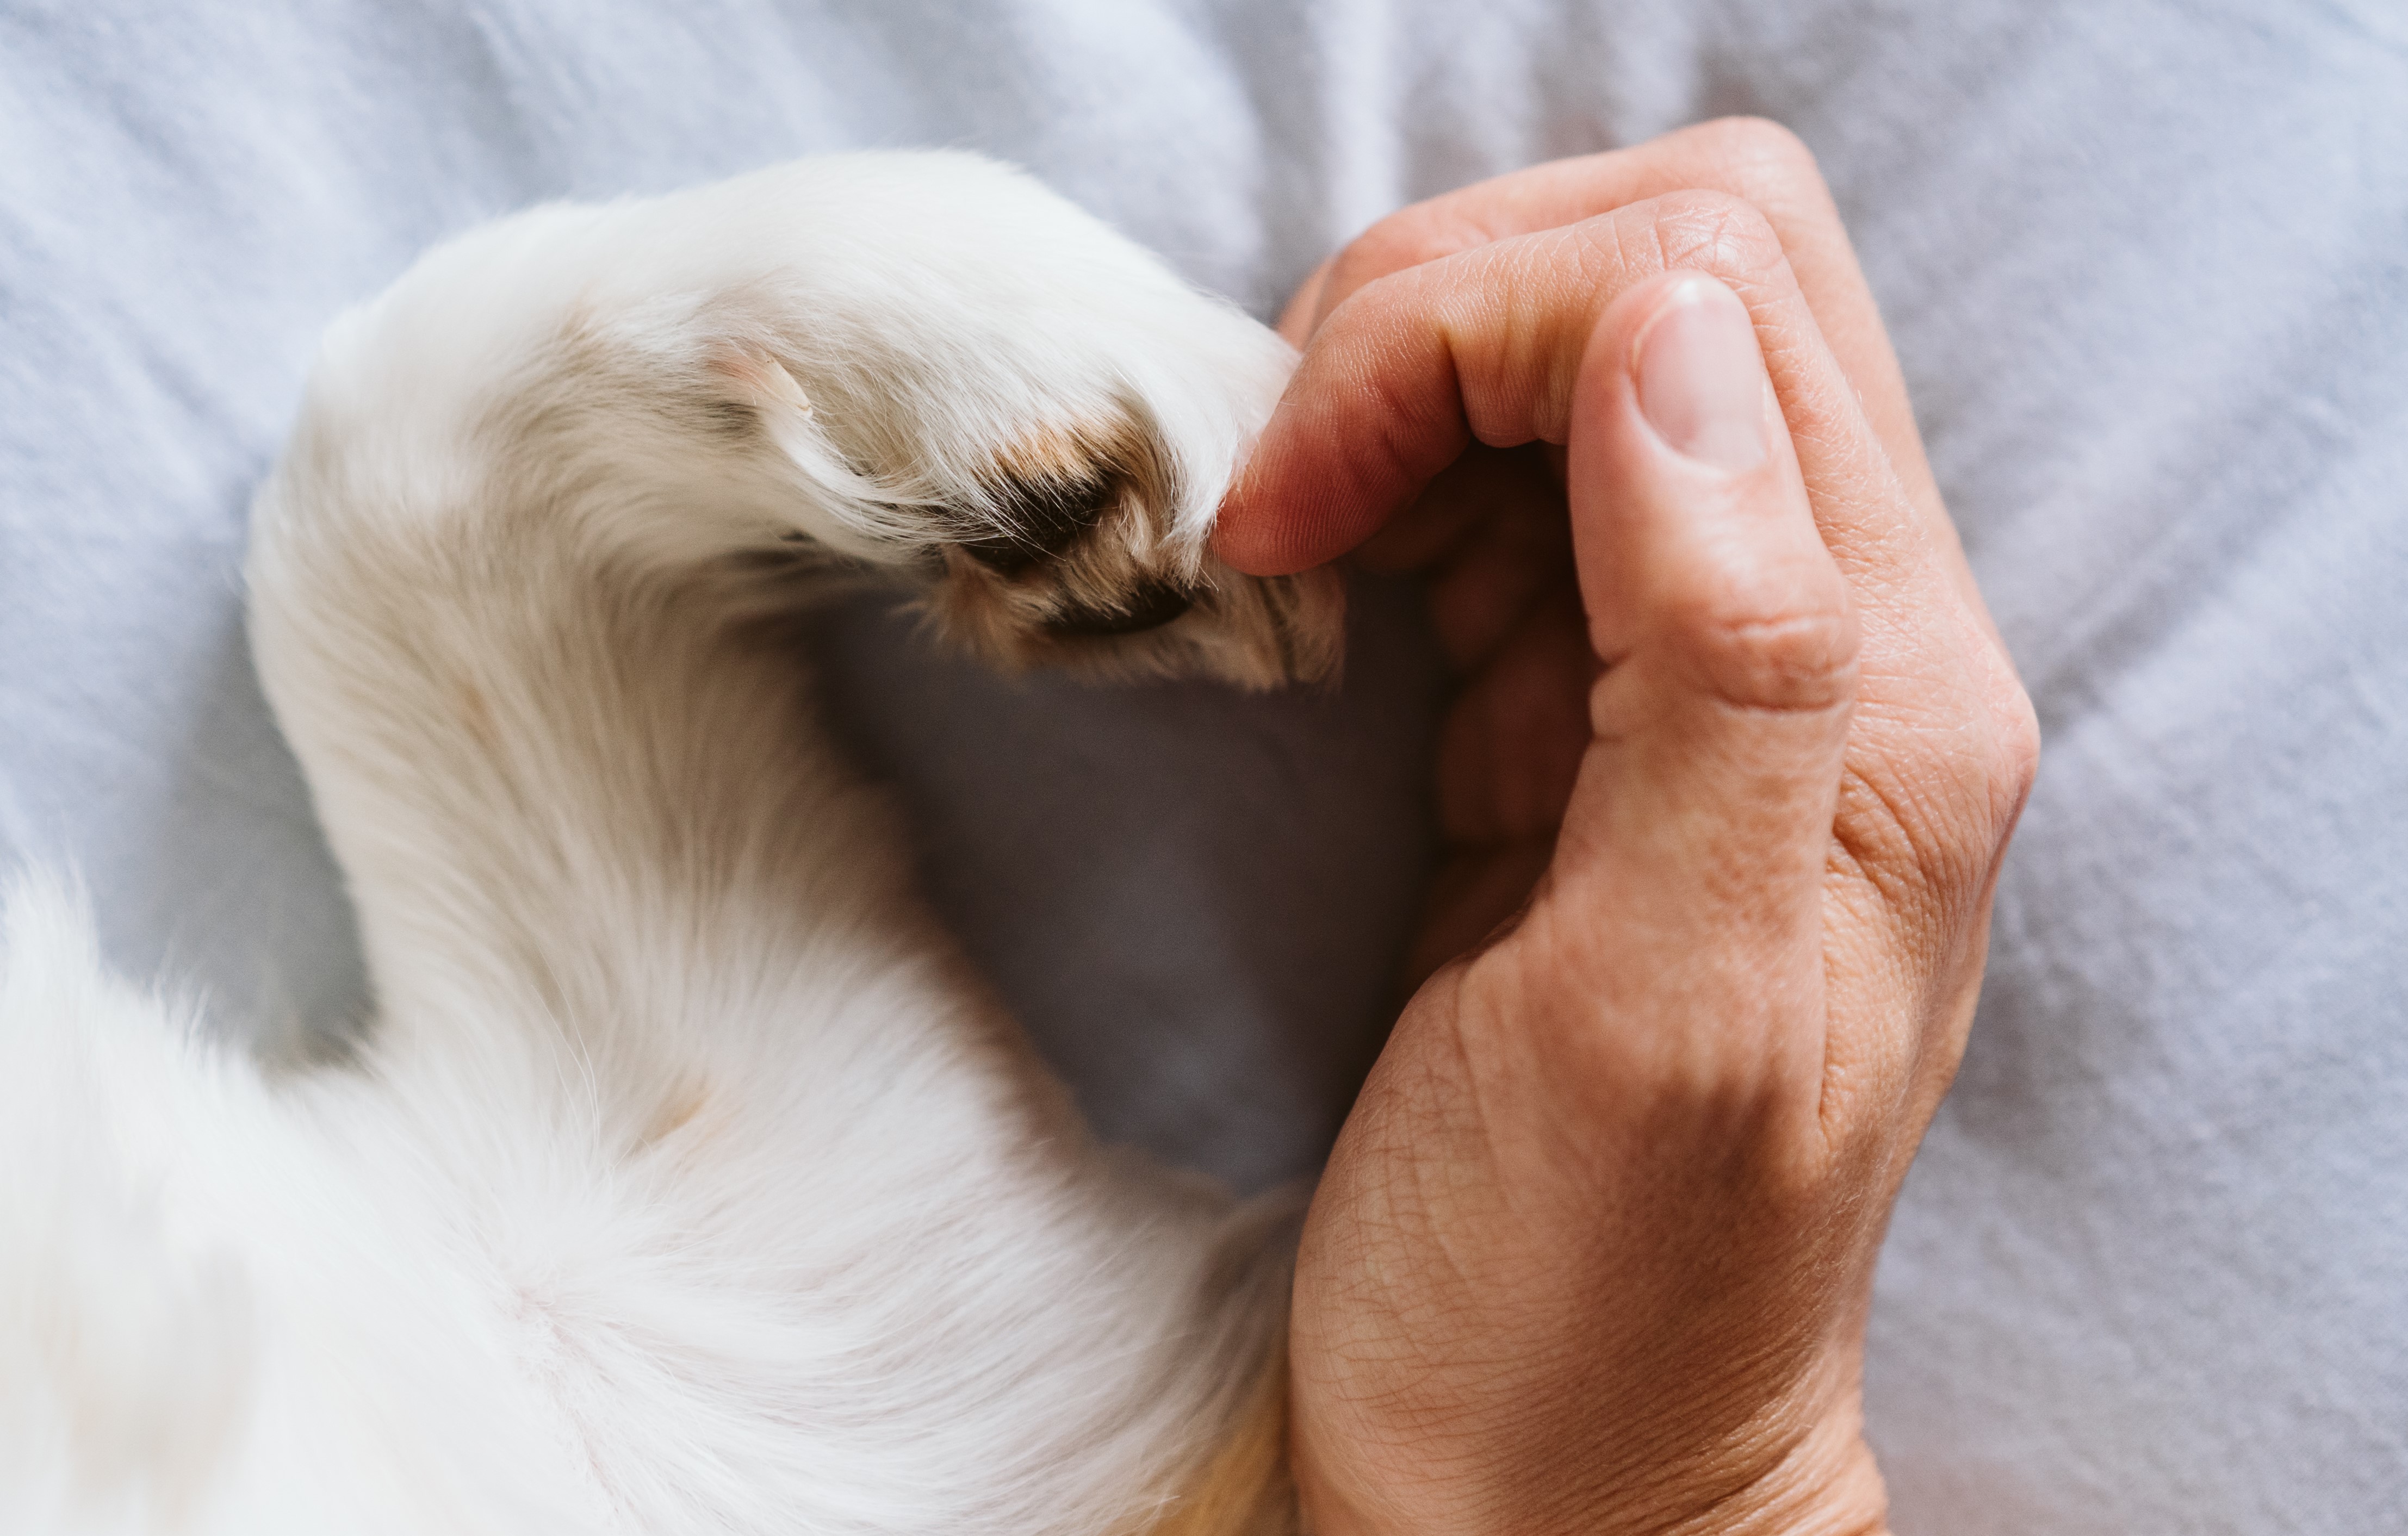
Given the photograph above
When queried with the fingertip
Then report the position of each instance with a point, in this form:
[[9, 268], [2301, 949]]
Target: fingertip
[[1298, 502], [1699, 377], [1249, 532], [1686, 345], [1677, 431], [1242, 537]]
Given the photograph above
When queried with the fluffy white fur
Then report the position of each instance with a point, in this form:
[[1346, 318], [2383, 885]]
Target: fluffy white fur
[[687, 1180]]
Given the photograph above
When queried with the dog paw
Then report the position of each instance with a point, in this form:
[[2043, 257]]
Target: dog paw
[[1083, 549], [922, 363], [1029, 416]]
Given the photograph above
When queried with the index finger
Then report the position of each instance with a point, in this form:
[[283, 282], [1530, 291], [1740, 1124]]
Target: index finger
[[1487, 343], [1749, 158]]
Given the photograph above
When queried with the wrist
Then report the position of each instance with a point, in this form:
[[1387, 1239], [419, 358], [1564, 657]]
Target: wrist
[[1822, 1483]]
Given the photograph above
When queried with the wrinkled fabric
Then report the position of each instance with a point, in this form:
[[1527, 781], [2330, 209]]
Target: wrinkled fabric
[[2145, 265]]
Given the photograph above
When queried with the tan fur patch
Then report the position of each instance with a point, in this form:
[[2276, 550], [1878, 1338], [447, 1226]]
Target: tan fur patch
[[477, 715], [1116, 449], [1050, 493], [1244, 1489], [676, 1111]]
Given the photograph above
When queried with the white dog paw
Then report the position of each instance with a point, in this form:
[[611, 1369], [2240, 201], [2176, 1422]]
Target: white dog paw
[[925, 363], [992, 393], [1073, 537]]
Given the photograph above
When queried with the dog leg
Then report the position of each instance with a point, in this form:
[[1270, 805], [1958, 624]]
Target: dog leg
[[788, 1224]]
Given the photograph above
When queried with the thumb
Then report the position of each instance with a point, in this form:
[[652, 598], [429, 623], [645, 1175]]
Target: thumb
[[1701, 821]]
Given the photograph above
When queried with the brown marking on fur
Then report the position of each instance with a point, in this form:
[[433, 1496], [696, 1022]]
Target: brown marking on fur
[[734, 417], [1244, 1489], [1150, 605], [1119, 449], [478, 715], [1252, 632], [1053, 487], [675, 1113]]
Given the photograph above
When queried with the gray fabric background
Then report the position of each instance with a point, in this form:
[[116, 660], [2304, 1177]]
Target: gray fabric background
[[2147, 267]]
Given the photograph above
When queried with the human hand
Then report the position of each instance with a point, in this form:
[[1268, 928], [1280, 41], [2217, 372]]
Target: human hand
[[1594, 1248]]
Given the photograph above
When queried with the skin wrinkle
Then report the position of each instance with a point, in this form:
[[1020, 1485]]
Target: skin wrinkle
[[1911, 871], [1377, 377], [1531, 286]]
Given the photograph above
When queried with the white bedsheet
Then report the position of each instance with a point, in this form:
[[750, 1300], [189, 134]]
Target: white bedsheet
[[2147, 267]]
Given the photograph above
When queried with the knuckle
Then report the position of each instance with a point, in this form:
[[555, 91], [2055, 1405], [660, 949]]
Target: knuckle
[[1769, 650], [1717, 231], [1956, 806]]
